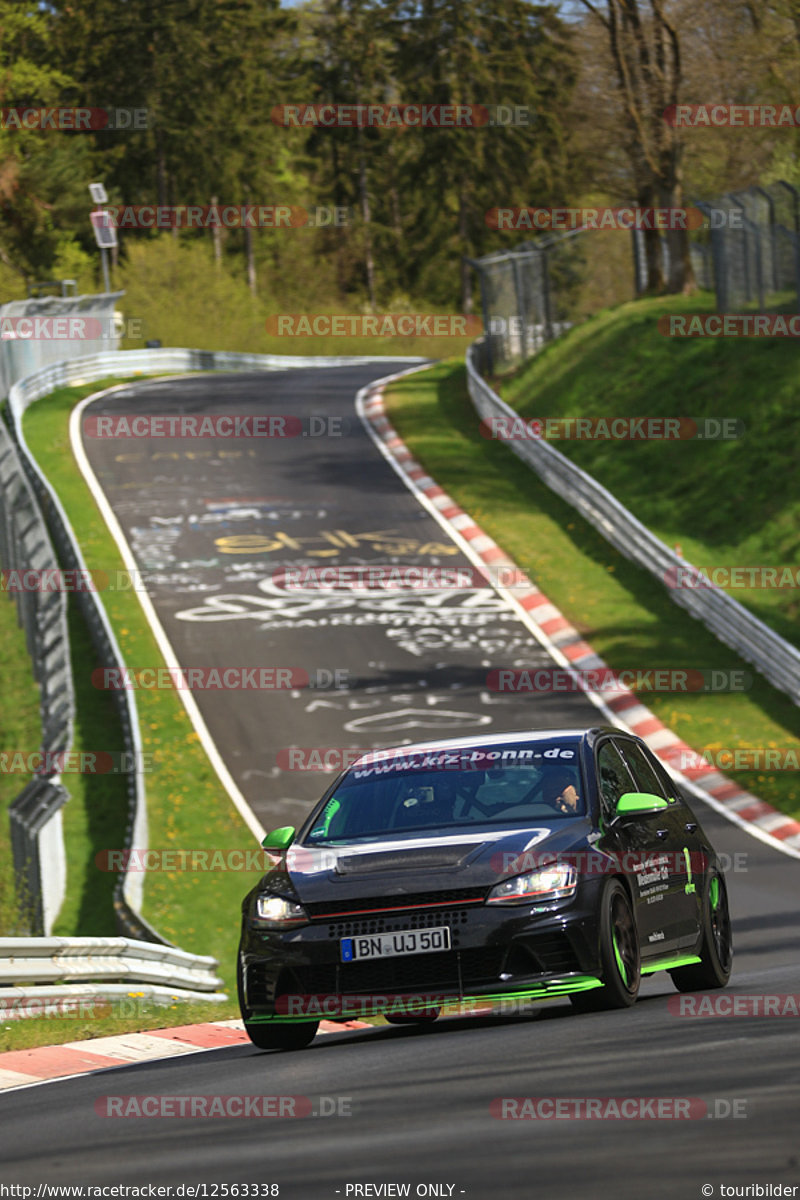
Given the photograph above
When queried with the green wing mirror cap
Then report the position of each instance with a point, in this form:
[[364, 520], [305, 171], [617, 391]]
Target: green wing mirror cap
[[279, 839], [639, 802]]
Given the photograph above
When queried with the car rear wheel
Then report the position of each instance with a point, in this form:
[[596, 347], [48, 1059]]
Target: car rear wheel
[[716, 948], [273, 1035], [619, 955]]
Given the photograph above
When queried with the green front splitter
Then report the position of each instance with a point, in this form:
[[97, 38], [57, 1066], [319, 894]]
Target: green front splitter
[[362, 1008]]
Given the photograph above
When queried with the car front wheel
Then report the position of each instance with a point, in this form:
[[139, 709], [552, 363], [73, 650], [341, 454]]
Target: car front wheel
[[619, 955], [280, 1035], [273, 1035]]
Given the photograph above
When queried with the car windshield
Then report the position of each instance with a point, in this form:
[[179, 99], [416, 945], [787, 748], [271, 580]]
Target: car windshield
[[522, 784]]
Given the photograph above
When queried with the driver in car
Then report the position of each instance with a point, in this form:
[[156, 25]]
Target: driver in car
[[558, 790]]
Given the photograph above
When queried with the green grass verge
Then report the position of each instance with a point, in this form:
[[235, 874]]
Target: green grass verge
[[628, 618], [127, 1016], [187, 806], [726, 503]]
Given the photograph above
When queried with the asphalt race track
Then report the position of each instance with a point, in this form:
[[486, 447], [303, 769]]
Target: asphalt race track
[[212, 522], [419, 1100]]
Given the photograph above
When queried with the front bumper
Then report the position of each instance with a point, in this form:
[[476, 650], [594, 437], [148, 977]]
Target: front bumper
[[497, 954]]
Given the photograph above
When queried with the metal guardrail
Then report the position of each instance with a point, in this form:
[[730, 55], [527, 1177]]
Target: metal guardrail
[[25, 961], [35, 815], [128, 891], [37, 848], [776, 659], [86, 324]]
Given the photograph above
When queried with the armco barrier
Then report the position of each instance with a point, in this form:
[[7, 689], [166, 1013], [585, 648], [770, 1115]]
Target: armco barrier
[[21, 353], [125, 364], [776, 659], [35, 815], [25, 961], [37, 847]]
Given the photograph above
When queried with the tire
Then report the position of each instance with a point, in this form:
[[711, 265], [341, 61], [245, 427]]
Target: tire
[[716, 947], [425, 1017], [275, 1035], [620, 960], [279, 1035]]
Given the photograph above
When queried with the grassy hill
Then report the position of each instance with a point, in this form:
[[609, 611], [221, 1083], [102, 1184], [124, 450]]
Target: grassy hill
[[725, 502]]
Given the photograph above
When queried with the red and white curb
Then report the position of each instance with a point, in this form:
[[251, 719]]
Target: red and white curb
[[21, 1068], [551, 628]]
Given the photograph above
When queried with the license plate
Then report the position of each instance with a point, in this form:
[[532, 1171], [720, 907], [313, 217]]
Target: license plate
[[387, 945]]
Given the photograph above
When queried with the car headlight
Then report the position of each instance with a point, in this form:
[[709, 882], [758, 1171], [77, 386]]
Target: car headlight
[[279, 913], [548, 883]]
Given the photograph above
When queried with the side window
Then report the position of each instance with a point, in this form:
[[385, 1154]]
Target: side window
[[667, 785], [646, 778], [613, 777]]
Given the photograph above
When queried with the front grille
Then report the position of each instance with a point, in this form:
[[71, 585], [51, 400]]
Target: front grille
[[378, 904], [416, 919], [554, 953], [392, 975], [257, 988], [548, 954]]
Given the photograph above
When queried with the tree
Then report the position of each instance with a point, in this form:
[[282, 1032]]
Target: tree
[[482, 53], [644, 45], [40, 169]]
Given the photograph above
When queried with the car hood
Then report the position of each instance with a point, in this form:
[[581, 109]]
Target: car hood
[[415, 863]]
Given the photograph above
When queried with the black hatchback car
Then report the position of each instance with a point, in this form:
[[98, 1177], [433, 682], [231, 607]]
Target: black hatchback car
[[516, 866]]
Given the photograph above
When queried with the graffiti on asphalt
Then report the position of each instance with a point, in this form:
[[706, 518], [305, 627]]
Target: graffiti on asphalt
[[416, 718], [310, 609], [334, 541]]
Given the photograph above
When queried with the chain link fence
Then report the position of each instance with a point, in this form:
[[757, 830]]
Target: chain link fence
[[753, 243], [528, 297], [747, 251]]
